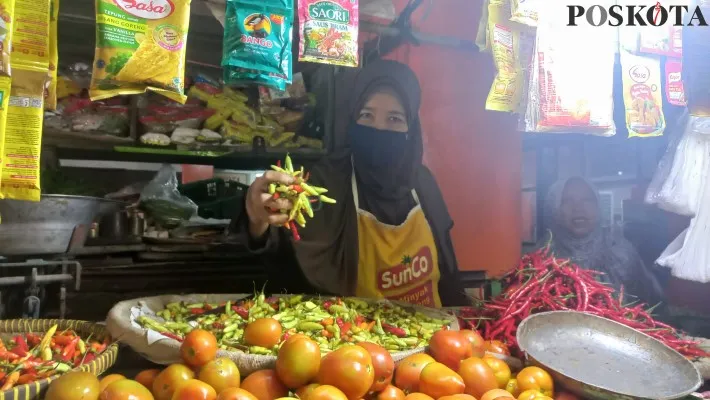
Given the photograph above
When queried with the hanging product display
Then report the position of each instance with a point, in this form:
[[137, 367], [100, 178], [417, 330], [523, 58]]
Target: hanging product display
[[482, 39], [643, 99], [675, 90], [525, 11], [25, 107], [7, 9], [511, 45], [329, 31], [257, 42], [140, 48], [50, 96]]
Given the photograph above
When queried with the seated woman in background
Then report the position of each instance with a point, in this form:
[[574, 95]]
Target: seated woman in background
[[572, 213]]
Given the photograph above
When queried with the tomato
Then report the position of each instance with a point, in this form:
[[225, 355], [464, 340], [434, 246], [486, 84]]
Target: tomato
[[193, 389], [264, 332], [438, 380], [327, 392], [418, 396], [537, 379], [450, 348], [390, 393], [169, 379], [496, 346], [477, 343], [126, 389], [500, 369], [109, 379], [530, 394], [512, 387], [235, 394], [265, 385], [458, 397], [478, 376], [74, 385], [349, 369], [496, 394], [565, 396], [220, 373], [198, 348], [305, 391], [146, 377], [298, 361], [383, 363], [406, 375]]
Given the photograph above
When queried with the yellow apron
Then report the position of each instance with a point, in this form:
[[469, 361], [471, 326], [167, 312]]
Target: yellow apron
[[397, 262]]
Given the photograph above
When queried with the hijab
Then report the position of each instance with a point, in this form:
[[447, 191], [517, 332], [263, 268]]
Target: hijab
[[328, 250], [616, 257]]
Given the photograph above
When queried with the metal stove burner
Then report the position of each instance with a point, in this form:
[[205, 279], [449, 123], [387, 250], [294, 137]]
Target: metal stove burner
[[34, 275]]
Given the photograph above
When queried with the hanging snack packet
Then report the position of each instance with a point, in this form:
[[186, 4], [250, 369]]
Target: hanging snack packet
[[675, 92], [7, 10], [257, 41], [245, 77], [30, 37], [140, 46], [525, 12], [641, 78], [50, 95], [329, 31]]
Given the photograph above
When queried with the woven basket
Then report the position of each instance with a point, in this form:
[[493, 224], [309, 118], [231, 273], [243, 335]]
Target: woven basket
[[165, 350], [34, 390]]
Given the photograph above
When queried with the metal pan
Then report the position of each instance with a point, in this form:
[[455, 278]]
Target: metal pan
[[601, 359]]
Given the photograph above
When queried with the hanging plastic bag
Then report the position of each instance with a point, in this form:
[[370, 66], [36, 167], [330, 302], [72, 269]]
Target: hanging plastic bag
[[163, 201], [663, 169], [329, 32]]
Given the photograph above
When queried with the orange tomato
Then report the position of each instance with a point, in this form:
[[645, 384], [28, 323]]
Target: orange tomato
[[305, 391], [496, 346], [496, 394], [298, 361], [194, 390], [146, 377], [478, 377], [198, 348], [512, 387], [438, 380], [477, 343], [537, 379], [382, 362], [109, 379], [531, 394], [458, 397], [391, 393], [126, 389], [221, 373], [264, 332], [500, 369], [450, 348], [418, 396], [327, 392], [74, 385], [406, 375], [169, 379], [235, 394], [349, 369], [265, 385]]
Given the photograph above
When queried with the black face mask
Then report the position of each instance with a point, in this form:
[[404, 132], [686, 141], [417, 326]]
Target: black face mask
[[375, 148]]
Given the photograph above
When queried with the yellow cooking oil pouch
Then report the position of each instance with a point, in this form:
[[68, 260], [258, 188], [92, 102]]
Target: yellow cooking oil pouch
[[643, 96], [505, 40], [7, 11], [50, 95], [140, 46], [23, 135], [30, 37]]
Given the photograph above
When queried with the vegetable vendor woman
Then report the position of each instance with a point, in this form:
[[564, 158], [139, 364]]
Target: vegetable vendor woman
[[388, 236]]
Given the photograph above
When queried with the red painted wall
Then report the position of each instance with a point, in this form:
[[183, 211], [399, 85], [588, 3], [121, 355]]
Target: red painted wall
[[475, 155]]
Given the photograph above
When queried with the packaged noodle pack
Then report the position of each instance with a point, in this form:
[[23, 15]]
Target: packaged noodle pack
[[329, 31], [7, 10], [511, 45], [140, 46], [643, 101], [257, 42], [50, 95]]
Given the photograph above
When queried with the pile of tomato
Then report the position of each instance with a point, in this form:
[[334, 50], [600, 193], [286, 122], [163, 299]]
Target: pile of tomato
[[457, 367]]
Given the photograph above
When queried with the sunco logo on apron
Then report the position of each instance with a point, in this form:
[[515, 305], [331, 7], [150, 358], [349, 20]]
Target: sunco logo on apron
[[412, 271]]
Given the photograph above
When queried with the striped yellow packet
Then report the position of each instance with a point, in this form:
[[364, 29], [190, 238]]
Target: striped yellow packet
[[140, 46], [50, 95], [30, 37], [7, 8]]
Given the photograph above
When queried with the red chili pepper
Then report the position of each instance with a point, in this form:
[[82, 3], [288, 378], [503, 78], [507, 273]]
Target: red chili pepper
[[33, 339], [399, 332], [327, 304], [172, 336], [98, 347], [69, 350], [297, 188], [278, 163], [346, 327], [276, 196], [8, 356], [63, 340], [294, 231], [241, 311], [21, 347], [26, 378], [218, 325], [197, 311]]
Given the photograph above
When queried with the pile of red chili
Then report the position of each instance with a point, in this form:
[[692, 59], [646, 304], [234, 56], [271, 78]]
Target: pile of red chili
[[544, 283]]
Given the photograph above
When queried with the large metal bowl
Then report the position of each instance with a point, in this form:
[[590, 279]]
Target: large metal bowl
[[601, 359], [47, 226]]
